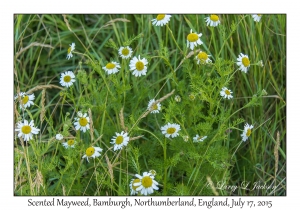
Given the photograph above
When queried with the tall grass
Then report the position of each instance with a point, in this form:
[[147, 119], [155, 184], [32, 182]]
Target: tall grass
[[118, 102]]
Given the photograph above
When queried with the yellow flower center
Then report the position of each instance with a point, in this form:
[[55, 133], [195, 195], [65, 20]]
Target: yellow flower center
[[214, 18], [259, 15], [192, 37], [139, 65], [171, 130], [147, 181], [160, 17], [25, 99], [192, 97], [125, 51], [248, 132], [119, 140], [110, 66], [135, 181], [245, 61], [69, 50], [83, 121], [227, 92], [154, 107], [26, 129], [67, 78], [70, 142], [90, 151], [202, 56]]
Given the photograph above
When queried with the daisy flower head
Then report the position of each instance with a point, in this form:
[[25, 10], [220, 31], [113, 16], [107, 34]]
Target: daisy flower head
[[70, 50], [112, 68], [152, 172], [154, 107], [243, 62], [82, 122], [247, 132], [67, 79], [212, 20], [26, 130], [125, 52], [203, 58], [120, 140], [193, 39], [59, 136], [138, 66], [256, 17], [161, 20], [69, 144], [92, 152], [133, 190], [177, 98], [198, 138], [26, 100], [147, 184], [186, 138], [170, 130], [226, 93]]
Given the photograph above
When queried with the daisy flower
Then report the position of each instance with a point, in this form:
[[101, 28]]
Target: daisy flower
[[256, 18], [198, 138], [92, 152], [26, 130], [212, 20], [132, 187], [193, 39], [112, 68], [243, 62], [69, 144], [170, 130], [59, 136], [67, 78], [152, 172], [154, 107], [247, 132], [177, 98], [161, 20], [125, 52], [186, 138], [70, 50], [26, 100], [202, 58], [82, 122], [120, 140], [146, 183], [138, 66], [226, 93]]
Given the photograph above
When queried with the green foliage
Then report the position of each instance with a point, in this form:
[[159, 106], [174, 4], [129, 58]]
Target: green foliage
[[118, 102]]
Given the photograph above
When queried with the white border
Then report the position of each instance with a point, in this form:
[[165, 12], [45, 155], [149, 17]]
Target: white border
[[8, 8]]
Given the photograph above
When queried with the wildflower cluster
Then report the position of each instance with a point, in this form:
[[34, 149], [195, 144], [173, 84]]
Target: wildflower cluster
[[109, 111]]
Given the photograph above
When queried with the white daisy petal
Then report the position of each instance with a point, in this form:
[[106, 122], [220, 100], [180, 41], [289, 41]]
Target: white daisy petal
[[161, 20], [125, 52], [138, 66], [171, 130], [243, 62], [82, 122], [193, 39], [26, 130], [247, 132], [212, 20], [67, 79], [112, 68], [226, 93], [92, 152]]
